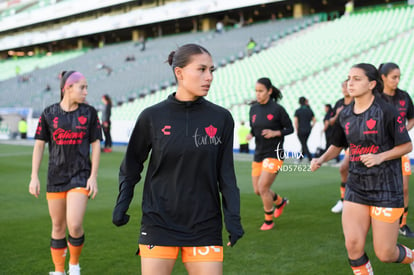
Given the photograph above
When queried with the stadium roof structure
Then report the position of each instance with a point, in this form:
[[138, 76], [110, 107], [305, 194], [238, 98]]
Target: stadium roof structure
[[51, 12], [138, 17]]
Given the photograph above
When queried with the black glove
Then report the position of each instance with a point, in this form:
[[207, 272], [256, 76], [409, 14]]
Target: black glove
[[119, 219]]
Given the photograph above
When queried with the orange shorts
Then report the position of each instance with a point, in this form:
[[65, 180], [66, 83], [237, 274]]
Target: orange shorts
[[270, 165], [385, 214], [63, 195], [210, 253], [406, 165]]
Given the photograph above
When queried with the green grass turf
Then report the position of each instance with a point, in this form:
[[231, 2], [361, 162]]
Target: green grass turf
[[307, 238]]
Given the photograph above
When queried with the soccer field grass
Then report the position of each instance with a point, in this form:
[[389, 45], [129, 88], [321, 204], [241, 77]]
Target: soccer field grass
[[307, 238]]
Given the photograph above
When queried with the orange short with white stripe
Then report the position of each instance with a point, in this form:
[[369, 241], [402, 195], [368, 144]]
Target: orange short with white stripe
[[270, 165], [406, 165], [63, 195], [210, 253], [386, 214]]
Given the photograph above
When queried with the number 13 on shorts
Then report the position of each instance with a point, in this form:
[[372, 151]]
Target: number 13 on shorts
[[203, 251], [386, 214], [204, 254]]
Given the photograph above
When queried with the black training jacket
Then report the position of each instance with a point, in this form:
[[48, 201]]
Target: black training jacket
[[191, 162], [274, 117]]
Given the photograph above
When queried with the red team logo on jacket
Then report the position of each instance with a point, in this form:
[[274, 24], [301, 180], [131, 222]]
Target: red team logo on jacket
[[211, 131], [402, 103], [208, 139], [82, 119], [269, 116], [371, 125]]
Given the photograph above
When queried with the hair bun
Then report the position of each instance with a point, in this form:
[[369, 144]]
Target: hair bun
[[62, 73], [171, 57]]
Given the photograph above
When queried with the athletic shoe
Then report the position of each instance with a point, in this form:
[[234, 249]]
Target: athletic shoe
[[74, 269], [107, 150], [279, 209], [57, 273], [266, 226], [406, 231], [338, 207]]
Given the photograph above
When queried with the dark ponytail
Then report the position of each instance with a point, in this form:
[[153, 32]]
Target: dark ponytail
[[276, 93], [386, 68], [108, 99], [171, 58], [64, 75]]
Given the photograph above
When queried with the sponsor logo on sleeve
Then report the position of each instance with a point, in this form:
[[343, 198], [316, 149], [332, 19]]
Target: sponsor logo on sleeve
[[55, 122], [347, 128], [39, 127], [401, 127]]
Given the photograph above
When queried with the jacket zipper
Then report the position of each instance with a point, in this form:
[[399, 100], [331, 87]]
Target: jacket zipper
[[186, 120]]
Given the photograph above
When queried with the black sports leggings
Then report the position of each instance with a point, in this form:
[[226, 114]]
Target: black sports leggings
[[107, 134], [303, 138]]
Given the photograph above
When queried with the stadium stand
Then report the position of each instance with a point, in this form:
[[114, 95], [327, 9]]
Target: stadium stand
[[134, 16], [148, 73], [30, 63], [301, 58], [316, 70]]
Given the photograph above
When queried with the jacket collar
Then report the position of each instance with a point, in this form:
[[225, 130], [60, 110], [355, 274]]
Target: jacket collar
[[173, 99]]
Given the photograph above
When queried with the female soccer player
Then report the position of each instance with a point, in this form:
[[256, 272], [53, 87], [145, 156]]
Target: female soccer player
[[106, 122], [390, 75], [304, 120], [343, 169], [327, 128], [377, 138], [269, 125], [71, 128], [191, 163]]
